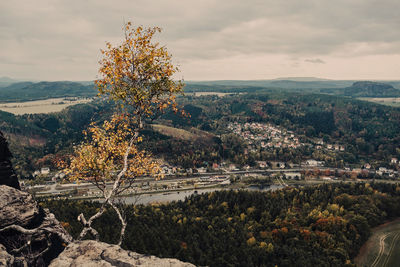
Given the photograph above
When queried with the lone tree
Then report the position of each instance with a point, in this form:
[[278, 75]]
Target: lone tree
[[138, 76]]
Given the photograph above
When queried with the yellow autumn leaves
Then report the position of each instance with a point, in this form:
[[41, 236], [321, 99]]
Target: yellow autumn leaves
[[138, 73], [101, 156]]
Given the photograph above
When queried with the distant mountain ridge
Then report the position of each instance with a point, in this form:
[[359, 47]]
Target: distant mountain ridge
[[19, 91], [6, 81], [302, 79], [28, 91], [371, 89], [286, 83]]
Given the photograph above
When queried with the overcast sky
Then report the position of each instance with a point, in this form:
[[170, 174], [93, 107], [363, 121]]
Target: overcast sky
[[209, 39]]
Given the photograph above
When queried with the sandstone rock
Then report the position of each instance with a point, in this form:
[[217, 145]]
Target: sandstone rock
[[5, 258], [31, 235], [90, 253], [7, 174], [16, 207]]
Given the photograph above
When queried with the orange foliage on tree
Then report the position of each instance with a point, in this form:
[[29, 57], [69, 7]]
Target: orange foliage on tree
[[139, 73], [276, 234], [284, 230], [108, 154], [330, 224], [306, 234]]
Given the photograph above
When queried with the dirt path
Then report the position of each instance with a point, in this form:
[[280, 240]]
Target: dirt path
[[381, 250], [392, 246]]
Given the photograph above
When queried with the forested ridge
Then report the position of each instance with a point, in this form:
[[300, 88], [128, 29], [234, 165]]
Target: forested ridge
[[322, 225], [366, 89], [28, 91]]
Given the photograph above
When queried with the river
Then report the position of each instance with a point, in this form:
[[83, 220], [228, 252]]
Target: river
[[180, 195]]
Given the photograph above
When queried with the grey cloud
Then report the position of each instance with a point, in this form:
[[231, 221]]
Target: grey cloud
[[55, 31], [293, 27], [315, 61]]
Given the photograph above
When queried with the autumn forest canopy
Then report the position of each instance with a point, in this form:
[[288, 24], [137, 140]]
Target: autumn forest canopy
[[319, 225]]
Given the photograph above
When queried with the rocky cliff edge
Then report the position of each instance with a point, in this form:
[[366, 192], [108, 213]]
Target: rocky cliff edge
[[98, 254], [32, 236]]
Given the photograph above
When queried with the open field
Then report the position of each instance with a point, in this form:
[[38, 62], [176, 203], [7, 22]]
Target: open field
[[41, 106], [193, 134], [382, 248], [209, 93], [174, 132], [388, 101]]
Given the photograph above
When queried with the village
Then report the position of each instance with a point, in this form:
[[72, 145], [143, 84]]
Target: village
[[265, 135]]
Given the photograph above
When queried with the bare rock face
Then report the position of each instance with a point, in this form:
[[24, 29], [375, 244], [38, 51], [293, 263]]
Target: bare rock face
[[98, 254], [7, 174], [30, 235], [5, 258], [16, 207]]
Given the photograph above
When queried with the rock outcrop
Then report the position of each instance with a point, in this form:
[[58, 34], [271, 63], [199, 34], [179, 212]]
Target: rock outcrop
[[371, 89], [16, 207], [29, 235], [98, 254], [32, 236], [5, 258], [7, 174]]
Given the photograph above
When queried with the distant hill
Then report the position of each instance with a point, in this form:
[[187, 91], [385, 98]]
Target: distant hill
[[6, 81], [302, 79], [291, 84], [284, 83], [371, 89], [16, 86], [301, 84], [28, 91]]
